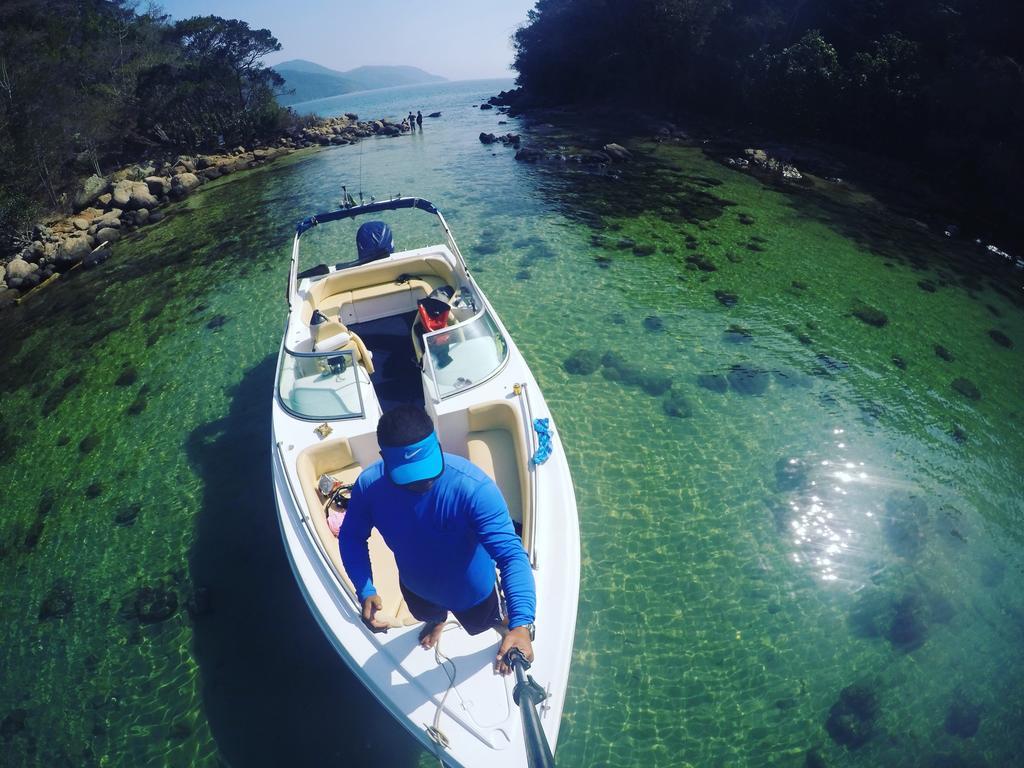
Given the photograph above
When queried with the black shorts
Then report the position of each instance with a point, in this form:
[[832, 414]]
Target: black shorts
[[481, 617]]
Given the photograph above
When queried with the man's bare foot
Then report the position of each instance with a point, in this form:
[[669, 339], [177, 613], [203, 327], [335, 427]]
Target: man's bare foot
[[430, 634]]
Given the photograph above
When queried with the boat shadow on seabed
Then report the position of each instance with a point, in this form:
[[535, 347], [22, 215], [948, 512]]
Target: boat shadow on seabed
[[274, 691]]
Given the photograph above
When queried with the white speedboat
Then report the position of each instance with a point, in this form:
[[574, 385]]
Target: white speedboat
[[353, 347]]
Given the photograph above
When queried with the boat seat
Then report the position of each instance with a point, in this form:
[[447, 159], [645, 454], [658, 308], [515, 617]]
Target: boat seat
[[330, 336], [495, 444], [334, 458], [377, 300]]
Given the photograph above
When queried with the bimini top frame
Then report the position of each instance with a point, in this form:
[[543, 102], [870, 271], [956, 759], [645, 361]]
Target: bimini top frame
[[394, 204]]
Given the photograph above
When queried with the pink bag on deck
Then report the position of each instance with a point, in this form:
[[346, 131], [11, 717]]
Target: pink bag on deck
[[334, 520]]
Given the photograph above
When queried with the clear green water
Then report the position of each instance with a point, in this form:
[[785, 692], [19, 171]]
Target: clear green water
[[716, 626]]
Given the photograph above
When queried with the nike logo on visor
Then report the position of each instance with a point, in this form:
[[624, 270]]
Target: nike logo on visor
[[409, 455]]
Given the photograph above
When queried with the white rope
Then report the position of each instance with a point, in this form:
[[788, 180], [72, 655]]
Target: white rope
[[434, 731]]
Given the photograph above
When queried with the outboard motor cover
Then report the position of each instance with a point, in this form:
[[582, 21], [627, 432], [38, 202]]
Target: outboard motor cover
[[374, 241]]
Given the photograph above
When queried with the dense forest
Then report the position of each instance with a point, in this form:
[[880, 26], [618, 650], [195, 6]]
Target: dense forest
[[939, 84], [88, 84]]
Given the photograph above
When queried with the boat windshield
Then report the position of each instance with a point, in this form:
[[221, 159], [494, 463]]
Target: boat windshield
[[320, 385], [334, 244], [466, 354]]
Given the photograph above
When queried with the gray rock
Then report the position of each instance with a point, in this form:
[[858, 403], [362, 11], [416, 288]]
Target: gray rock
[[3, 273], [105, 199], [183, 184], [111, 219], [158, 185], [72, 251], [141, 217], [141, 197], [529, 155], [19, 269], [8, 296], [122, 193], [33, 252], [41, 232], [155, 216], [80, 224], [211, 173], [186, 162], [108, 235], [617, 152], [91, 189], [96, 257]]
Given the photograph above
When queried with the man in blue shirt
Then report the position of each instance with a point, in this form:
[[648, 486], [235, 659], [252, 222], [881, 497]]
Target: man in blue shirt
[[448, 525]]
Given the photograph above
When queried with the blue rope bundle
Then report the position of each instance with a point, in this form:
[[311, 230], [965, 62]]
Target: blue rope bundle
[[543, 428]]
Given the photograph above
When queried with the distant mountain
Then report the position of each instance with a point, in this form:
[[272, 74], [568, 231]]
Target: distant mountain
[[311, 81]]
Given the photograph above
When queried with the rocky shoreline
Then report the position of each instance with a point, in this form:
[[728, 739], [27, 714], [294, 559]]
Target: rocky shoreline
[[106, 208]]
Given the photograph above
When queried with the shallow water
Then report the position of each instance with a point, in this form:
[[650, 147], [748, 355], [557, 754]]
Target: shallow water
[[813, 517]]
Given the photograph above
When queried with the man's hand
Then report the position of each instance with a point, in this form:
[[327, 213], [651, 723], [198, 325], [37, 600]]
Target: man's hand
[[371, 606], [514, 638]]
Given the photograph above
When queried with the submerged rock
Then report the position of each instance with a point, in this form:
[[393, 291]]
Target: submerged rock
[[95, 490], [927, 286], [944, 353], [748, 380], [127, 515], [727, 298], [851, 720], [88, 443], [58, 602], [899, 362], [582, 362], [963, 718], [655, 384], [966, 388], [703, 263], [714, 382], [1001, 338], [868, 314], [127, 377], [676, 406], [908, 629], [654, 324], [217, 322]]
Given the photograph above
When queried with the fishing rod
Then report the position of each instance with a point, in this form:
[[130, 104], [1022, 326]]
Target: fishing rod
[[528, 694]]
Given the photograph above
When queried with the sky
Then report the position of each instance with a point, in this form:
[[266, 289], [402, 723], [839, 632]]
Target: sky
[[457, 39]]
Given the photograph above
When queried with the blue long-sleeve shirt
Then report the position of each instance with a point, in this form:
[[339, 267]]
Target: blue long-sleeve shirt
[[446, 541]]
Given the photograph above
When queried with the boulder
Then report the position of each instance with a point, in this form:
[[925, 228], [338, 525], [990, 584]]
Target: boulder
[[529, 155], [758, 156], [73, 250], [80, 223], [17, 271], [3, 273], [434, 114], [211, 173], [111, 218], [488, 138], [617, 152], [158, 185], [155, 216], [486, 106], [183, 184], [96, 257], [141, 217], [108, 235], [186, 164], [122, 193], [33, 252], [141, 197], [105, 199], [91, 189]]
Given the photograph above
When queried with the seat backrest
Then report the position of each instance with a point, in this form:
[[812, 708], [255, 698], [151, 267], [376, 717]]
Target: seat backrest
[[333, 335]]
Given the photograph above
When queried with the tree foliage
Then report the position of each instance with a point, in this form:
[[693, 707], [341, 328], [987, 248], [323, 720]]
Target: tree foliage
[[942, 83], [85, 84]]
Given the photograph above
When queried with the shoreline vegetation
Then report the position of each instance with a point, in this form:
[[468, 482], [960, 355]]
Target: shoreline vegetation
[[934, 88]]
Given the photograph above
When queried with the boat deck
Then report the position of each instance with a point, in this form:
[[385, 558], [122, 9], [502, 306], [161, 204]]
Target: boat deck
[[396, 376]]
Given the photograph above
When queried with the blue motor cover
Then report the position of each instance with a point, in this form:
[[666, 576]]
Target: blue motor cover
[[374, 241]]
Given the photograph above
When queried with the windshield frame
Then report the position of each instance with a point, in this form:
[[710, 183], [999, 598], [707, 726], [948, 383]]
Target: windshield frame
[[351, 364], [484, 315]]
